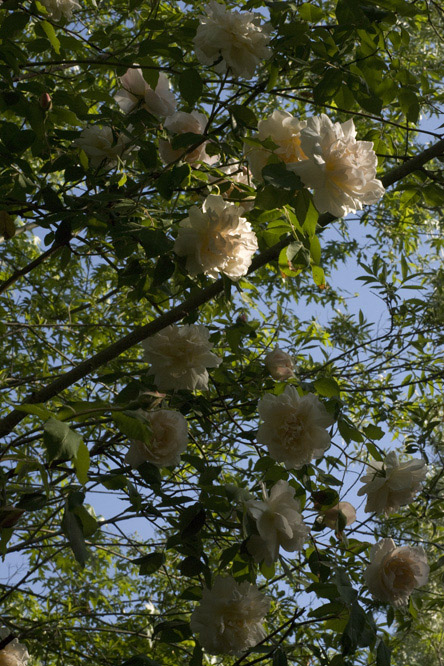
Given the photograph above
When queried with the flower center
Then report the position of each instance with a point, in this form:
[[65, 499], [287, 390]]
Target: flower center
[[400, 573], [291, 430]]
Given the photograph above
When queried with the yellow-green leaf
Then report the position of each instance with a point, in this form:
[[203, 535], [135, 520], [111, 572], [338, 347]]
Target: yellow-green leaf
[[51, 35], [81, 463]]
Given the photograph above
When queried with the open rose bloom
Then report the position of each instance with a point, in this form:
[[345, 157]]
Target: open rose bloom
[[180, 356], [394, 572], [279, 523], [229, 617], [294, 427], [216, 239], [284, 130], [340, 170], [279, 364], [236, 39], [181, 123], [102, 146], [15, 653], [170, 438], [60, 8], [391, 484], [135, 90]]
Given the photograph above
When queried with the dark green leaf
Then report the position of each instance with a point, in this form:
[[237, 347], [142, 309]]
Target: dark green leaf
[[60, 441], [190, 86]]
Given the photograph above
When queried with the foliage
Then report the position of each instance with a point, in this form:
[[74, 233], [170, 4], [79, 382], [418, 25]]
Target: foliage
[[88, 271]]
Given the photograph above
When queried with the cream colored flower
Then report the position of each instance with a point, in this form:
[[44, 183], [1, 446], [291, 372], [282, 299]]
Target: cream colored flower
[[279, 364], [294, 427], [391, 484], [15, 653], [216, 239], [284, 130], [180, 356], [102, 146], [229, 617], [394, 572], [170, 438], [279, 523], [236, 37], [135, 90], [179, 123], [58, 8], [340, 169], [330, 516]]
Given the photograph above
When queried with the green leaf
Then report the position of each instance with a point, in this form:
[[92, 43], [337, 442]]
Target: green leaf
[[72, 528], [328, 86], [190, 86], [374, 431], [51, 35], [32, 501], [328, 387], [88, 522], [383, 655], [311, 13], [185, 140], [149, 564], [172, 179], [60, 441], [409, 103], [315, 250], [192, 520], [279, 176], [279, 657], [318, 276], [81, 463], [38, 410], [12, 23], [132, 428], [244, 115]]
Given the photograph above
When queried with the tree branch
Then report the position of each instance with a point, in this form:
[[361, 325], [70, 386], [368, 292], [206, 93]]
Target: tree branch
[[190, 304]]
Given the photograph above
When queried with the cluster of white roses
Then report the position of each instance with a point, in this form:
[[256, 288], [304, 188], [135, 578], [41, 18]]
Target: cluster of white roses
[[216, 238], [14, 653], [394, 572], [294, 431], [327, 158]]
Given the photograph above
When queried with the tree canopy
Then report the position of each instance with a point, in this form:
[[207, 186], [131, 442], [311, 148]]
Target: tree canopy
[[221, 293]]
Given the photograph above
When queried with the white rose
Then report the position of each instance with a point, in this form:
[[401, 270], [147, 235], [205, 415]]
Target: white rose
[[294, 427], [179, 123], [180, 356], [340, 169], [391, 484], [279, 364], [330, 516], [158, 102], [58, 8], [15, 653], [170, 439], [216, 239], [394, 572], [279, 523], [285, 131], [236, 37], [229, 617], [101, 146]]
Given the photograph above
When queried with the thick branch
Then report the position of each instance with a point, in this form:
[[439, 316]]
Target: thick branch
[[190, 304]]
